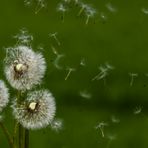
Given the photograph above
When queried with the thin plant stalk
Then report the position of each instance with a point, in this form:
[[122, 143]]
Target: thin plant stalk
[[21, 131], [7, 134], [15, 134], [26, 138]]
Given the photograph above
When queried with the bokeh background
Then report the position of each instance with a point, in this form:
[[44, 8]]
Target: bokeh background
[[120, 39]]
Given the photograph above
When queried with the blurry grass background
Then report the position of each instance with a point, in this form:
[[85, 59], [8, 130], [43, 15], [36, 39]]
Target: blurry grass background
[[122, 41]]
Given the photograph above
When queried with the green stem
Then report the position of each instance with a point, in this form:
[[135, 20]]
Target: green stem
[[7, 134], [23, 135], [26, 138], [15, 134]]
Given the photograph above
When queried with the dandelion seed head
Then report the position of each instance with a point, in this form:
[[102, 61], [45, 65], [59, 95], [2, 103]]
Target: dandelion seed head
[[24, 68], [37, 111], [4, 95]]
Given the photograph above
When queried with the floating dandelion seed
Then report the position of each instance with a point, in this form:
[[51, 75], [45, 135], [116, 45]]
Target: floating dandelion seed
[[83, 62], [40, 5], [108, 66], [57, 60], [57, 125], [54, 36], [90, 12], [101, 126], [76, 2], [104, 72], [69, 72], [27, 2], [103, 17], [111, 8], [24, 68], [54, 50], [4, 95], [110, 138], [83, 6], [67, 1], [40, 48], [133, 76], [137, 110], [85, 94], [114, 119], [62, 9], [23, 37], [145, 10], [37, 111]]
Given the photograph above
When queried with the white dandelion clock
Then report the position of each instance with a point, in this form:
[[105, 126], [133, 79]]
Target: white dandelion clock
[[24, 68], [4, 95], [37, 111]]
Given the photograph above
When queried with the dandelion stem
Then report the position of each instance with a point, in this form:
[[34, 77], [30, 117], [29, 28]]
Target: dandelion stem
[[21, 130], [7, 134], [15, 134], [26, 138], [20, 136]]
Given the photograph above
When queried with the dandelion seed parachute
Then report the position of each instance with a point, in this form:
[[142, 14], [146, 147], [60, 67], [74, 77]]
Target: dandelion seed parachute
[[57, 125], [4, 95], [24, 68], [37, 111]]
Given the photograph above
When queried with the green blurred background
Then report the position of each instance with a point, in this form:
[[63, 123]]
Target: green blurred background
[[121, 40]]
